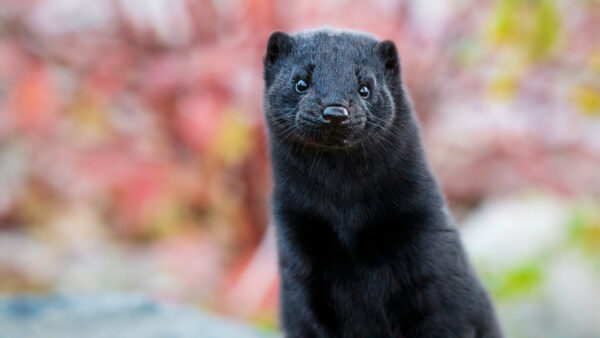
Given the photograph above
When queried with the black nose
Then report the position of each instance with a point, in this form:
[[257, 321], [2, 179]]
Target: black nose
[[335, 114]]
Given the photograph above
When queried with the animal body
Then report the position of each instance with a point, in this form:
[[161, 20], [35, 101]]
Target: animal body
[[366, 246]]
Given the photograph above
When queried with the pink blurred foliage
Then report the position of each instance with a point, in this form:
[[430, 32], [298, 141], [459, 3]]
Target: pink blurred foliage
[[34, 100], [197, 117], [195, 259]]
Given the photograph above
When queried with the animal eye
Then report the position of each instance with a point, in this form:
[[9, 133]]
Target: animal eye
[[301, 86], [364, 92]]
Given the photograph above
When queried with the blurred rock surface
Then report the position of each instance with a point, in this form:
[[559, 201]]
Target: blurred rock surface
[[111, 315]]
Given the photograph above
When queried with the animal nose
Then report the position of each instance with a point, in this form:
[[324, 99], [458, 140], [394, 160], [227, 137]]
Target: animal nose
[[335, 114]]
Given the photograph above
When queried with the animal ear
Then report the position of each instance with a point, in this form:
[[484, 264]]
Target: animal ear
[[389, 55], [279, 45]]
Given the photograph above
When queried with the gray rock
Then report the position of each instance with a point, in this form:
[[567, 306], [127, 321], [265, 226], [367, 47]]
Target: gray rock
[[111, 315]]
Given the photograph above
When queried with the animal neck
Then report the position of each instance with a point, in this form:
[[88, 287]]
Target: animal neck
[[394, 172]]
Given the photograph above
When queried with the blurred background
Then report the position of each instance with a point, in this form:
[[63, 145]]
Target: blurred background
[[133, 155]]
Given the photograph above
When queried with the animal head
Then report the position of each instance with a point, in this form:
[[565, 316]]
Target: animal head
[[330, 89]]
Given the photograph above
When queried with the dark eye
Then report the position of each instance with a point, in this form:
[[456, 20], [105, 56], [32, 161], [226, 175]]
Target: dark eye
[[301, 86], [364, 92]]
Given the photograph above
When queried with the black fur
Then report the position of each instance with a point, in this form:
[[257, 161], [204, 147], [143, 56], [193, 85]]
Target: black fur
[[366, 247]]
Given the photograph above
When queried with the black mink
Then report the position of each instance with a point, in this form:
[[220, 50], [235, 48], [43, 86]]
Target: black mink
[[366, 246]]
